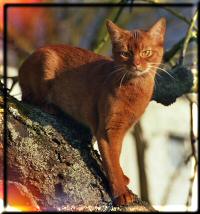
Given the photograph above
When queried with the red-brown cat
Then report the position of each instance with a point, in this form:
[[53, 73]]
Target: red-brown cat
[[108, 95]]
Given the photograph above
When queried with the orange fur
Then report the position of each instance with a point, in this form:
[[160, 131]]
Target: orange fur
[[108, 95]]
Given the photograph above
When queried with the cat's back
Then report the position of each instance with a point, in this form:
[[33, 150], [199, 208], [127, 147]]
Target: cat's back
[[49, 61], [66, 56], [58, 65], [71, 54]]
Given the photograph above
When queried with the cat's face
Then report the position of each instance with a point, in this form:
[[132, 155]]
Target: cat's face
[[138, 51]]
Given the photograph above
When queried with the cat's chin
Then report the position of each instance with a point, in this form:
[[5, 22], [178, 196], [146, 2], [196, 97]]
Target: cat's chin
[[137, 73]]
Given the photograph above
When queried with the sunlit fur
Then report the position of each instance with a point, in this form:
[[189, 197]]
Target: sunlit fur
[[107, 95], [135, 42]]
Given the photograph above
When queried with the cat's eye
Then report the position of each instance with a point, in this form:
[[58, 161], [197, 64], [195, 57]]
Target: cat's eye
[[124, 54], [146, 53]]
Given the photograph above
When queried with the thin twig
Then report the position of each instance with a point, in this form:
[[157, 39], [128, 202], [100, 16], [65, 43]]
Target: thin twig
[[106, 36], [187, 38], [173, 178], [141, 145], [174, 12], [192, 143], [178, 15], [188, 201], [192, 136], [175, 48]]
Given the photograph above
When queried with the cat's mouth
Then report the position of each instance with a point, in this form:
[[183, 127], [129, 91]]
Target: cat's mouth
[[137, 72], [128, 72]]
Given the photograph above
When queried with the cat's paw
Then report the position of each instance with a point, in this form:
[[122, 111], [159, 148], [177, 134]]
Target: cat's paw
[[126, 180], [124, 199]]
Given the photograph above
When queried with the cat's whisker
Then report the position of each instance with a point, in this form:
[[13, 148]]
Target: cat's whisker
[[119, 66], [103, 63], [147, 70], [119, 69], [116, 71], [157, 63], [118, 79], [122, 79], [155, 72], [158, 74], [163, 70], [161, 64], [155, 81], [158, 68], [153, 78]]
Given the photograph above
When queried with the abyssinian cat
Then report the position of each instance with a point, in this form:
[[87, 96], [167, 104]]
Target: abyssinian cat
[[107, 95]]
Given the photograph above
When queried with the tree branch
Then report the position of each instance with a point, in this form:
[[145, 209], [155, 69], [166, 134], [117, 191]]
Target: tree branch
[[174, 12], [141, 145], [187, 37], [175, 48], [106, 36]]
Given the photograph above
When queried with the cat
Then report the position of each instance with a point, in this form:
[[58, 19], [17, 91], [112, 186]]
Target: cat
[[108, 95]]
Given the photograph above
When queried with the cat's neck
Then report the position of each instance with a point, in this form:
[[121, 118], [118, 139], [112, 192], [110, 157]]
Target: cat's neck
[[125, 78]]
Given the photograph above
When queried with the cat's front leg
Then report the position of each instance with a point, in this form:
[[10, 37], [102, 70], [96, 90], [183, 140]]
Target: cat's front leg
[[126, 178], [110, 143]]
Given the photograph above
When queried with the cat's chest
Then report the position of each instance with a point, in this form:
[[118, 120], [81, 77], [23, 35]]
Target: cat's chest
[[137, 89], [135, 96]]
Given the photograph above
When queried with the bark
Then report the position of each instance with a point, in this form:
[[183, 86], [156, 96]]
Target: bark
[[141, 145]]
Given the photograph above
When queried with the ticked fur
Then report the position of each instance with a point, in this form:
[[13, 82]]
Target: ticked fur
[[108, 95]]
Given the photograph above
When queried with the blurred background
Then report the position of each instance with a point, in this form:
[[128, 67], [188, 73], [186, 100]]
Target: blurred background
[[157, 154]]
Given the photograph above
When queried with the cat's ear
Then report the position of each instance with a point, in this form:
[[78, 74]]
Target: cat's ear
[[157, 31], [114, 31]]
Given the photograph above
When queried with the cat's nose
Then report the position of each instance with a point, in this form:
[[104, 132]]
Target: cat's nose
[[137, 68], [136, 62], [134, 67]]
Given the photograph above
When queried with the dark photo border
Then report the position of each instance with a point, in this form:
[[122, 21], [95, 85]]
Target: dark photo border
[[51, 5]]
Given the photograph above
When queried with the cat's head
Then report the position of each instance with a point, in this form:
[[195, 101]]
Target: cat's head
[[138, 51]]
